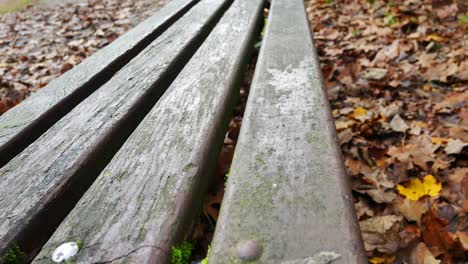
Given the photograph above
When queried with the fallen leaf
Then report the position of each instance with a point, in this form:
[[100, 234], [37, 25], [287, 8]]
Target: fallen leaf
[[409, 235], [398, 124], [455, 146], [412, 153], [421, 255], [439, 140], [359, 112], [363, 209], [381, 233], [434, 37], [435, 236], [345, 136], [463, 238], [340, 125], [382, 260], [411, 210], [417, 189], [374, 74]]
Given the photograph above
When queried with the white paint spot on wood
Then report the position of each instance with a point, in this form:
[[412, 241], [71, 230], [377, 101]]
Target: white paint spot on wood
[[65, 251]]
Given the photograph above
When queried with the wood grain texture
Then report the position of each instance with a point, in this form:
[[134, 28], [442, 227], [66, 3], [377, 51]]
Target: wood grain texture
[[40, 186], [287, 190], [23, 124], [147, 197]]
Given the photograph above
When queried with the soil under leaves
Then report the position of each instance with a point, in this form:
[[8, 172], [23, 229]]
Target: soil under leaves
[[396, 74]]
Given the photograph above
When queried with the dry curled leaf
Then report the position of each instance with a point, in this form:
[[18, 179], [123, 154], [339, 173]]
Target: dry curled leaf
[[455, 146], [381, 233], [421, 255]]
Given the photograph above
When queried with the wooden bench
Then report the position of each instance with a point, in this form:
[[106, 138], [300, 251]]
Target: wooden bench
[[118, 152]]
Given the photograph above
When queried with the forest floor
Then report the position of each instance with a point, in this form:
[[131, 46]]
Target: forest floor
[[396, 74], [40, 42]]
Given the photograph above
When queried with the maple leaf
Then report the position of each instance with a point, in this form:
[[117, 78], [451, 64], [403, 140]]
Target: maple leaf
[[417, 189]]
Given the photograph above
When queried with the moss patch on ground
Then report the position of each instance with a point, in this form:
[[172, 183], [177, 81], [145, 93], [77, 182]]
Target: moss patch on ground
[[7, 6]]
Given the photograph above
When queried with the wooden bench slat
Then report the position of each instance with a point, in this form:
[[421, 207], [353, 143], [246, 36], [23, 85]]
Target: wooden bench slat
[[23, 124], [146, 198], [40, 185], [287, 192]]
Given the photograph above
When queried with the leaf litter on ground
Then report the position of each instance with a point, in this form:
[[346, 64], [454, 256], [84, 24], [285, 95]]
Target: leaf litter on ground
[[39, 43], [396, 74]]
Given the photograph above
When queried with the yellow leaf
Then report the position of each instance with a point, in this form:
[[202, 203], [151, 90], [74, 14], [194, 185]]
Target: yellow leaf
[[377, 260], [340, 125], [431, 186], [439, 140], [359, 112], [336, 112], [419, 124], [434, 37], [414, 191], [382, 260], [417, 189]]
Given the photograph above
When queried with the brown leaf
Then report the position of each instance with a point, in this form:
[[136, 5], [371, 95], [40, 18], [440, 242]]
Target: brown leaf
[[374, 74], [411, 210], [398, 124], [381, 233], [421, 255], [435, 235], [455, 146]]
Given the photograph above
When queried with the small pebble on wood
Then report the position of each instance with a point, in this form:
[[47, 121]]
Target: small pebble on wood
[[65, 252], [248, 250]]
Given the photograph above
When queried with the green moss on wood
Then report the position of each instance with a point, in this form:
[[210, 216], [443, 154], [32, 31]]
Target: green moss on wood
[[188, 167], [80, 243], [14, 255], [182, 253]]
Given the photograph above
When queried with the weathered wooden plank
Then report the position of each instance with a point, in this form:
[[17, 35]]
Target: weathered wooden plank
[[40, 185], [23, 124], [287, 196], [146, 198]]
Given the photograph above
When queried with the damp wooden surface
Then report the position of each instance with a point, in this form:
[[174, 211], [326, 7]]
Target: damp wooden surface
[[39, 186], [287, 195], [20, 126], [145, 200]]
